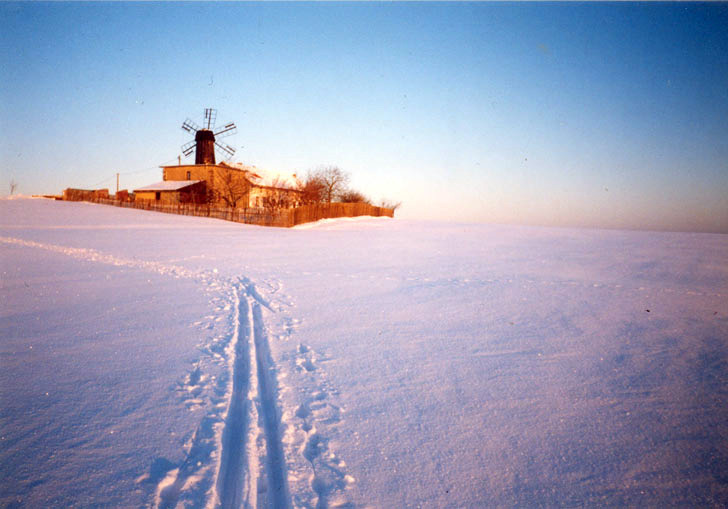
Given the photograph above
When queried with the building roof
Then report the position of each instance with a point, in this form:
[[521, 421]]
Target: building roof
[[268, 178], [168, 185], [257, 176]]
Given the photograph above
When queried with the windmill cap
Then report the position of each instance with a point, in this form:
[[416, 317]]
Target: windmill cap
[[204, 134]]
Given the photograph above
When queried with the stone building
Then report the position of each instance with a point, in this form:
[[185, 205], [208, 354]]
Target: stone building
[[224, 185]]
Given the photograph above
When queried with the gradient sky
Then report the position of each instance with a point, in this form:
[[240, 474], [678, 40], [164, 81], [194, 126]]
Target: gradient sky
[[608, 115]]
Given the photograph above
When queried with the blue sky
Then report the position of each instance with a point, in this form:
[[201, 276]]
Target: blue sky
[[608, 115]]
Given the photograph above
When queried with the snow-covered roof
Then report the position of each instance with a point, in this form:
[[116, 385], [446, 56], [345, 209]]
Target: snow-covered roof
[[270, 178], [168, 185]]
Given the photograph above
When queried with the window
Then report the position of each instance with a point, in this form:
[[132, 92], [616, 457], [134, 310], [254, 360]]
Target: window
[[189, 175], [157, 195]]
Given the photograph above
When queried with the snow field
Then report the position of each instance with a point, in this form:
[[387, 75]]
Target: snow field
[[368, 362]]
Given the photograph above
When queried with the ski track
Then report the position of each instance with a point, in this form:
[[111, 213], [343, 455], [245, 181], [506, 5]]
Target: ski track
[[235, 478], [251, 468]]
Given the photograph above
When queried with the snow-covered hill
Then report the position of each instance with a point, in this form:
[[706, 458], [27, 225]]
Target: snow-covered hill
[[166, 360]]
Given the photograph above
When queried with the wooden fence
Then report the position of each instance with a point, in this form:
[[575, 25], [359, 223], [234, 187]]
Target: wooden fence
[[259, 216], [316, 211]]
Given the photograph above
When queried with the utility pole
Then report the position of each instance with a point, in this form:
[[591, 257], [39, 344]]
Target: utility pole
[[179, 160], [117, 183]]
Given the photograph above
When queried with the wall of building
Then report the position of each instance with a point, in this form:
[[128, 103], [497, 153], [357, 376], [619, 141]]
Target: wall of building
[[189, 172], [261, 196], [221, 181], [196, 193], [192, 194], [144, 195]]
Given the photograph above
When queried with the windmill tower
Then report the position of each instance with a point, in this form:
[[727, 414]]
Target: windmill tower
[[206, 138]]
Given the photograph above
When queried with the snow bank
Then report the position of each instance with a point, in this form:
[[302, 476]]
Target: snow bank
[[20, 197], [349, 223]]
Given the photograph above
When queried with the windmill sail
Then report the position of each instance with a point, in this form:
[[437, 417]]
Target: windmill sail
[[188, 147], [189, 126], [210, 116], [227, 149], [226, 130], [205, 141]]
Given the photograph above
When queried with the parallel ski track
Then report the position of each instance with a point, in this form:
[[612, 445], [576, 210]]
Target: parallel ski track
[[254, 392]]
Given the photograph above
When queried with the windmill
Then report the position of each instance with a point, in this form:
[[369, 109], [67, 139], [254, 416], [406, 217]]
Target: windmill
[[206, 138]]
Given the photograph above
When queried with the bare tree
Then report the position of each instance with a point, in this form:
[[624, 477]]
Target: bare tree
[[13, 186], [333, 180], [312, 189], [352, 196], [231, 186]]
